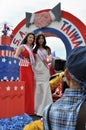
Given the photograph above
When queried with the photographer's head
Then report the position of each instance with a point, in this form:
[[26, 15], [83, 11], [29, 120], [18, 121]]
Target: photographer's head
[[76, 67]]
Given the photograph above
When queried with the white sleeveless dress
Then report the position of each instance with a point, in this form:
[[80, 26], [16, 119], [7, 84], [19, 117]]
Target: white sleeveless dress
[[43, 94]]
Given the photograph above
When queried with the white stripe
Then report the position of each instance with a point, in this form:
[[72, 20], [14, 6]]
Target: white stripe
[[6, 52], [9, 53], [2, 53]]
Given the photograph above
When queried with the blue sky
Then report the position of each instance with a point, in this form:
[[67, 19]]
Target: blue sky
[[13, 12]]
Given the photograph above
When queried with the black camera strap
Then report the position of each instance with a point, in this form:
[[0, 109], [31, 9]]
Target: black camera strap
[[81, 119], [48, 119]]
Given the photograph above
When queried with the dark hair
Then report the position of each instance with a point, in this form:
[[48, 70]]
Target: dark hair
[[38, 44], [48, 49], [25, 39], [64, 86]]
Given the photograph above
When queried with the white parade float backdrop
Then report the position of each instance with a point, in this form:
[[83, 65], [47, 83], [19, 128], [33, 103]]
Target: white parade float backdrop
[[69, 29]]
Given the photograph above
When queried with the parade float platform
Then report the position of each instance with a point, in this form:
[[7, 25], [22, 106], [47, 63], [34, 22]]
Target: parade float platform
[[11, 98]]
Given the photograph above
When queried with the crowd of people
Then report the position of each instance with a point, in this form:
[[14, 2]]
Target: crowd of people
[[63, 113]]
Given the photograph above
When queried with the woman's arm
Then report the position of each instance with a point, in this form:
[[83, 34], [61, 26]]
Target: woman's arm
[[49, 58], [19, 51]]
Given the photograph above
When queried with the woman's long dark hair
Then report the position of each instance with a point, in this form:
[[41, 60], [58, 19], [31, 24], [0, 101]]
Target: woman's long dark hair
[[38, 44], [25, 39]]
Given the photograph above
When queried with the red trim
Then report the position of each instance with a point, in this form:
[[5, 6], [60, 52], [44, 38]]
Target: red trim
[[22, 23], [80, 25]]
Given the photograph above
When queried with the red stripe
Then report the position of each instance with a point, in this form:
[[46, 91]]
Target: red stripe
[[0, 53], [4, 52]]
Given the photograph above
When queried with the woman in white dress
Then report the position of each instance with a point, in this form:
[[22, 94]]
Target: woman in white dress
[[43, 94]]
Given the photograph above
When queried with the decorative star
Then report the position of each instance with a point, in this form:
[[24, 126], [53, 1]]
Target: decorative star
[[22, 87], [15, 61], [9, 62], [12, 78], [17, 78], [15, 88], [3, 60], [8, 88], [5, 78]]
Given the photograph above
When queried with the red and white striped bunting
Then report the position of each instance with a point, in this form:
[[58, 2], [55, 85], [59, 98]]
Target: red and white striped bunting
[[6, 53], [23, 62]]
